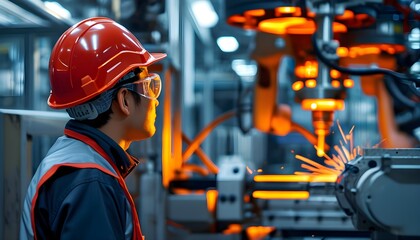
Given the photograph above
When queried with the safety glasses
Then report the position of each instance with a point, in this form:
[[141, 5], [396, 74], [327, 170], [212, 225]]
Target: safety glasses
[[148, 85]]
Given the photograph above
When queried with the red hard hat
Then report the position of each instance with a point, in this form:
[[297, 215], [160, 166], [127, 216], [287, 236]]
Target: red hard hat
[[90, 57]]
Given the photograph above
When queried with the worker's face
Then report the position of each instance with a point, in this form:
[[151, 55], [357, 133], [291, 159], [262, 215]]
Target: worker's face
[[143, 119], [143, 113]]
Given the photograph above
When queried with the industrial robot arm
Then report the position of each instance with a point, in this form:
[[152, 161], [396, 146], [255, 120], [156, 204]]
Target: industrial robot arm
[[380, 192]]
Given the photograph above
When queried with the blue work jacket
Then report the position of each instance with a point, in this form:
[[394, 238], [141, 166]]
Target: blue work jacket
[[78, 190]]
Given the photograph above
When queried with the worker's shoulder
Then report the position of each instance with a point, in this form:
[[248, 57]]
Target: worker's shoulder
[[68, 182], [71, 176], [72, 188], [73, 155], [69, 148]]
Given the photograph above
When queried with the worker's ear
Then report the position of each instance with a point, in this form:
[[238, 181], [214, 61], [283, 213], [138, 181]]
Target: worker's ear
[[122, 101]]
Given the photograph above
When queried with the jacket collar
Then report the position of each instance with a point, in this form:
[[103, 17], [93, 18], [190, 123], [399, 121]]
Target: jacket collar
[[123, 161]]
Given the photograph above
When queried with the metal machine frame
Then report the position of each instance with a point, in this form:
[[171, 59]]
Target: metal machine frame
[[18, 129]]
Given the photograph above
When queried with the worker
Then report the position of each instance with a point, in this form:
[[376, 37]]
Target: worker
[[99, 74]]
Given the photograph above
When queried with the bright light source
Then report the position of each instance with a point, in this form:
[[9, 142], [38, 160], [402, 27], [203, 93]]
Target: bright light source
[[244, 68], [415, 68], [57, 10], [227, 43], [414, 38], [204, 13], [415, 6]]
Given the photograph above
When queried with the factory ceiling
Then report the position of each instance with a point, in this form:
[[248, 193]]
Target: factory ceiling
[[147, 19]]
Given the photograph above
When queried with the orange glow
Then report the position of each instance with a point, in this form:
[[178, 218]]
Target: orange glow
[[392, 48], [335, 74], [181, 191], [296, 86], [309, 28], [366, 49], [279, 25], [168, 165], [308, 70], [315, 167], [211, 196], [362, 16], [327, 104], [310, 83], [281, 194], [288, 21], [311, 14], [345, 152], [233, 229], [342, 51], [236, 19], [184, 191], [339, 27], [323, 178], [258, 232], [346, 15], [286, 9], [259, 170], [348, 83], [304, 28], [396, 48], [296, 178], [335, 83], [295, 11], [321, 142], [255, 12], [360, 51], [391, 51]]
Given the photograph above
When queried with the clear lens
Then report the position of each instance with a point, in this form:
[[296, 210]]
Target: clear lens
[[149, 85]]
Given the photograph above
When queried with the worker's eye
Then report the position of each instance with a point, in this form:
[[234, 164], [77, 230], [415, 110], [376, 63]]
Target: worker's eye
[[150, 87]]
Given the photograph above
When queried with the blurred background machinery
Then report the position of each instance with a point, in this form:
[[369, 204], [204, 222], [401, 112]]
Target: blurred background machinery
[[279, 119]]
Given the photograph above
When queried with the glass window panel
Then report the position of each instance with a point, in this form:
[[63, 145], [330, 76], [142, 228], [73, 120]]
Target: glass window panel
[[11, 72]]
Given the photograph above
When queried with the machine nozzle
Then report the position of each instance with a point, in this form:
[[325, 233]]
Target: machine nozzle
[[321, 144], [322, 122], [322, 117]]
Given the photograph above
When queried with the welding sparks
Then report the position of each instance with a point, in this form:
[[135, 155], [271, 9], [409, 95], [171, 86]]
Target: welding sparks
[[334, 165]]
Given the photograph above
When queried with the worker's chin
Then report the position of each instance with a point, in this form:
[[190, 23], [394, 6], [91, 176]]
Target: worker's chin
[[149, 132], [152, 132]]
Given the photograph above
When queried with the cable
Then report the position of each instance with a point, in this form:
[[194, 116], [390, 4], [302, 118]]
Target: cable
[[203, 134], [404, 78], [203, 156], [243, 107], [395, 92]]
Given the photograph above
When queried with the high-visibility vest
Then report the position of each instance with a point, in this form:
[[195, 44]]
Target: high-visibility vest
[[70, 152]]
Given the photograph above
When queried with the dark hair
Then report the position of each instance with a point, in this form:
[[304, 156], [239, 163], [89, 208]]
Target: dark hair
[[104, 117]]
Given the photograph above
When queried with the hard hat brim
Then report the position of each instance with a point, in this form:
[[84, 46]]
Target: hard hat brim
[[157, 57]]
